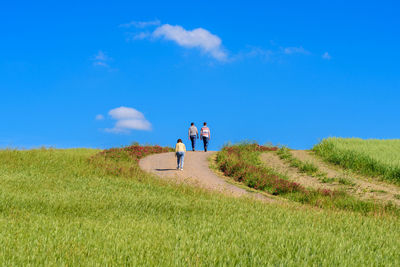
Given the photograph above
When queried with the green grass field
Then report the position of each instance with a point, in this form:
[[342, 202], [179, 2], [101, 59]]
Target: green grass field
[[57, 208], [370, 157]]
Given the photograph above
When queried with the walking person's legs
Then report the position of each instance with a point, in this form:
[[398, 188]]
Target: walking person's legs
[[182, 159], [178, 159], [180, 156], [205, 142], [193, 139]]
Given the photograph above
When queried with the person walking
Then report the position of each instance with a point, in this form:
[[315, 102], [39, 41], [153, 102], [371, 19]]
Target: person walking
[[205, 135], [180, 150], [193, 135]]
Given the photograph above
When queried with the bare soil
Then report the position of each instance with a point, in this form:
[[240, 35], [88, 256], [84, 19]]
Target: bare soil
[[364, 187], [272, 160]]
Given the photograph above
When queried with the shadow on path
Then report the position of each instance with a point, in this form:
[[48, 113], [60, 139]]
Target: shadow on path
[[196, 172]]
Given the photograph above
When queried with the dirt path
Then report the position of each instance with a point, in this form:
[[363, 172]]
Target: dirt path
[[273, 161], [357, 185], [363, 186], [196, 172]]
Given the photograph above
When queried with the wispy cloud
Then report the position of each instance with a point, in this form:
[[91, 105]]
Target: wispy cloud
[[141, 36], [207, 42], [128, 119], [99, 117], [295, 50], [141, 24], [260, 52], [253, 52], [273, 54], [101, 56], [326, 56], [101, 64], [101, 59]]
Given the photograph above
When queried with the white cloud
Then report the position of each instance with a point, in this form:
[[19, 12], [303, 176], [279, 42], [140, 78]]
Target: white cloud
[[99, 117], [326, 56], [204, 40], [197, 38], [128, 119], [125, 113], [295, 50], [141, 24]]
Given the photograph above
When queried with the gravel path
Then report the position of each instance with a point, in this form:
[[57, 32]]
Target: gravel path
[[196, 172]]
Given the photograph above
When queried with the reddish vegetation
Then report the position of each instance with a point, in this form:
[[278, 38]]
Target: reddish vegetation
[[236, 165], [111, 159], [241, 163], [135, 152], [253, 147]]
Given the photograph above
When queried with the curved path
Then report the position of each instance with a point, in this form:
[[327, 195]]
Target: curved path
[[196, 171]]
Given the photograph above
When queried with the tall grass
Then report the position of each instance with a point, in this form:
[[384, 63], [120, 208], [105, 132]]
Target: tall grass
[[370, 157], [305, 167], [59, 208], [242, 163]]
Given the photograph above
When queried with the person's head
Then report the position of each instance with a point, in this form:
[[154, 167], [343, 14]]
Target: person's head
[[205, 123], [179, 140], [192, 123]]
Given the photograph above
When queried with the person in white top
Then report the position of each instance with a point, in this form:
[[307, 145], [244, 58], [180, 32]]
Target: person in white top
[[205, 135]]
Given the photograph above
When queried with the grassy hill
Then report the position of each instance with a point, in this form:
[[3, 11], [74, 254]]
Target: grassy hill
[[372, 157], [244, 164], [79, 207]]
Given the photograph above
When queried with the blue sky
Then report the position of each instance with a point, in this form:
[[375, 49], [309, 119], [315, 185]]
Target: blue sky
[[103, 74]]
